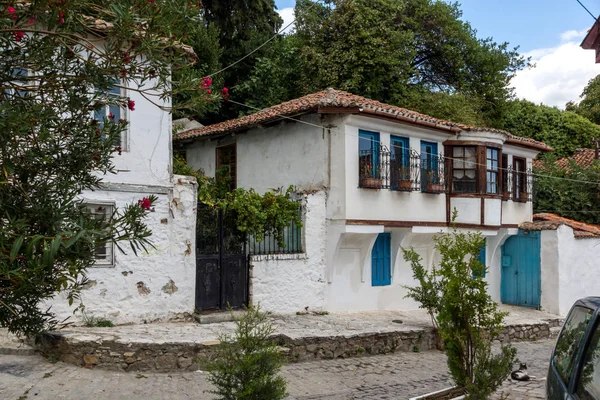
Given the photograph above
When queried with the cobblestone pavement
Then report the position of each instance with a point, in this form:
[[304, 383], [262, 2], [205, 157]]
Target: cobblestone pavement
[[395, 376]]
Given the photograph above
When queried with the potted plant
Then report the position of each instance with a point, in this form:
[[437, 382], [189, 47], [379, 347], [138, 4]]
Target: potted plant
[[433, 183], [404, 181], [369, 178]]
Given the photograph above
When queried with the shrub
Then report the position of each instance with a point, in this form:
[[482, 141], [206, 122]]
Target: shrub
[[246, 363], [468, 320]]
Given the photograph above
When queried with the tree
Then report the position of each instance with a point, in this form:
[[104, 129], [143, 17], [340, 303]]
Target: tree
[[54, 78], [589, 106], [388, 49], [468, 319], [556, 190], [565, 131], [242, 27]]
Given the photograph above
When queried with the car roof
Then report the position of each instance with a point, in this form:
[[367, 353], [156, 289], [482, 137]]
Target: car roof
[[589, 302]]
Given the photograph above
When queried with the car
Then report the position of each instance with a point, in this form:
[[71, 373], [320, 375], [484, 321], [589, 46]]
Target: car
[[574, 371]]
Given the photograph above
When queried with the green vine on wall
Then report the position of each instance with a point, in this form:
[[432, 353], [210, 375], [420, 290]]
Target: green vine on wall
[[257, 214]]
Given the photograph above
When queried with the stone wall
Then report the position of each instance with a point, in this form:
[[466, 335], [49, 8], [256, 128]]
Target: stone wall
[[163, 357]]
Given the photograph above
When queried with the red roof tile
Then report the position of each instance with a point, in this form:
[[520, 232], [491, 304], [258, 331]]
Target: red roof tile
[[332, 98], [547, 221], [582, 157]]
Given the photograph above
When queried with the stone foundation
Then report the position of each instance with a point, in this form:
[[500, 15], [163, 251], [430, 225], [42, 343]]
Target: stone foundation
[[164, 357]]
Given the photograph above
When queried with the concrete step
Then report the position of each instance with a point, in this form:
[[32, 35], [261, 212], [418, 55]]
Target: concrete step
[[217, 317]]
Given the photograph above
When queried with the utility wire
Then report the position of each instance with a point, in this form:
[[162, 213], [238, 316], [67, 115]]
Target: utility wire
[[586, 9], [445, 157], [262, 45]]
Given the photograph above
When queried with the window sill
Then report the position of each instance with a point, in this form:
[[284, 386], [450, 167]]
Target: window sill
[[477, 195]]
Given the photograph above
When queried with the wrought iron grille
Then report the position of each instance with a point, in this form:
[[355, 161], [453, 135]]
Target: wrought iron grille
[[433, 178], [405, 172], [374, 168], [292, 237]]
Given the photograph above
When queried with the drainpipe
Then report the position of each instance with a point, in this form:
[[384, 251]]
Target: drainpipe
[[596, 143]]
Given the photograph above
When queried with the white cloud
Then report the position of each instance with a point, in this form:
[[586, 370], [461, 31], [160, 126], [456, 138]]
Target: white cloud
[[560, 73], [572, 35], [287, 14]]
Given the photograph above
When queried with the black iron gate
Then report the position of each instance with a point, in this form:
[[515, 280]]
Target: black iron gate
[[221, 262]]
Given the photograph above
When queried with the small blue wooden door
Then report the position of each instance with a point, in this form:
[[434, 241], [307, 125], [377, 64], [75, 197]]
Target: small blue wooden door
[[381, 265], [521, 270]]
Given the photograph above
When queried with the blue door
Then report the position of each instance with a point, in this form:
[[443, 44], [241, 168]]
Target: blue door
[[381, 263], [520, 283], [429, 164]]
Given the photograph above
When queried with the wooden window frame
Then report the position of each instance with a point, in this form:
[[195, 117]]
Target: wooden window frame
[[505, 184], [219, 163], [109, 248], [452, 169], [481, 169], [519, 176], [496, 172]]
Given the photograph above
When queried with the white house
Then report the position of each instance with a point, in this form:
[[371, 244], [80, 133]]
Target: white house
[[374, 178], [159, 284]]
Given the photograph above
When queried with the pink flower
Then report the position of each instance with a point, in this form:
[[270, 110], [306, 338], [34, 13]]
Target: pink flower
[[111, 116], [208, 91], [119, 149], [151, 1], [31, 21], [225, 94], [207, 82], [12, 12], [19, 35], [131, 104], [61, 17], [145, 203]]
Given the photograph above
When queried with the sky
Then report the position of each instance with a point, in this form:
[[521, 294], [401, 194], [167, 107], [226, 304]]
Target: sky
[[548, 31]]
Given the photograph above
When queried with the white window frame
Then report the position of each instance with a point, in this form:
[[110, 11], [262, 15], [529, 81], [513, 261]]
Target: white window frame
[[123, 114], [109, 248]]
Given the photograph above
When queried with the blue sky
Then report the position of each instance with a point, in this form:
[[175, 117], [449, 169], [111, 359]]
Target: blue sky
[[547, 30]]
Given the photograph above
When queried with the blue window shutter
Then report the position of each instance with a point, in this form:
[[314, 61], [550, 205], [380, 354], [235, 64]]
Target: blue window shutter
[[381, 266], [369, 142], [481, 257]]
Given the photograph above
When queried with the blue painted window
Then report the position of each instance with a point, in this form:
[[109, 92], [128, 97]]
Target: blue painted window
[[381, 261], [429, 164], [368, 154], [400, 158]]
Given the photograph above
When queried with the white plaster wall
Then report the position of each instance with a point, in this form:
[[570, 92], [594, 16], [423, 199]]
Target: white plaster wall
[[514, 212], [468, 209], [286, 154], [549, 261], [579, 269], [137, 289], [289, 283], [387, 204], [493, 212], [351, 288]]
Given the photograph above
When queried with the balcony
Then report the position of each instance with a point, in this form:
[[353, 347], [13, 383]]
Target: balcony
[[405, 172]]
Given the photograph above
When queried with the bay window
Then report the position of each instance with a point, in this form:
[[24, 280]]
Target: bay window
[[464, 169], [493, 170]]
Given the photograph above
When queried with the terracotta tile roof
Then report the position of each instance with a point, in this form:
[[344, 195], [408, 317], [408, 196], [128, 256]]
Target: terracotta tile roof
[[582, 157], [332, 98], [547, 221]]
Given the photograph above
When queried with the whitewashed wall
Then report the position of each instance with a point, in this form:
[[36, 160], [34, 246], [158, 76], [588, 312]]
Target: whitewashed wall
[[289, 283], [276, 157], [579, 269], [157, 285], [387, 204], [550, 277]]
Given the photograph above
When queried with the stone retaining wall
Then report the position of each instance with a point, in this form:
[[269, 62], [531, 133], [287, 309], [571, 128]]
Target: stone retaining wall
[[164, 357]]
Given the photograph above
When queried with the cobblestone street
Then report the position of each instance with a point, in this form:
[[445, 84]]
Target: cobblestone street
[[396, 376]]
